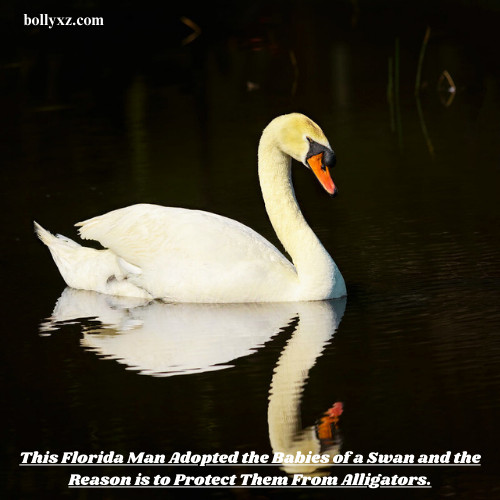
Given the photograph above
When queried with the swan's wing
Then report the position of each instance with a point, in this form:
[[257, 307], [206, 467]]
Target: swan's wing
[[175, 244], [140, 232]]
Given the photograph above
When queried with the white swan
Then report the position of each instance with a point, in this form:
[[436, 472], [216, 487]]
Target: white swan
[[185, 255]]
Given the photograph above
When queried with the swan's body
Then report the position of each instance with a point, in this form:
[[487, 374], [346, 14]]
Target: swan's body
[[193, 256]]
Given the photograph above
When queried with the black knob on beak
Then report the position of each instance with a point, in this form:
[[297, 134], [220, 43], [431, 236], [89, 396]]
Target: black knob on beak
[[329, 158]]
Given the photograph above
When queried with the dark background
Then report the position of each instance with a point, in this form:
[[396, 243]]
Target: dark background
[[95, 118]]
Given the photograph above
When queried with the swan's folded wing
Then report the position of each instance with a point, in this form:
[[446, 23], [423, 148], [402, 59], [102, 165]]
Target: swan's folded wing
[[149, 235], [131, 232]]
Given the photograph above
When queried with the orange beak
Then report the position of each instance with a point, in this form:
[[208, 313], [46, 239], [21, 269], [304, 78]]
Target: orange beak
[[322, 173]]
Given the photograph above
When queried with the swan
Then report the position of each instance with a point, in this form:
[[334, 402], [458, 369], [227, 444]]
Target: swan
[[183, 255]]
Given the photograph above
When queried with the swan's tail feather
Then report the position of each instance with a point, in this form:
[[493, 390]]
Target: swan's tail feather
[[89, 269], [64, 251], [50, 240]]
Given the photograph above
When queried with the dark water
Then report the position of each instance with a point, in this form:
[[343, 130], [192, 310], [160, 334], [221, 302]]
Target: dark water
[[412, 354]]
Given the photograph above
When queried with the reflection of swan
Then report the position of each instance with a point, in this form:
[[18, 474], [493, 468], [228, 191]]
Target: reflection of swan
[[317, 323], [168, 339], [171, 339], [193, 256]]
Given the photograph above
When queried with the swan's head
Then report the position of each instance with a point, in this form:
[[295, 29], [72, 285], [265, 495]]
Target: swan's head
[[303, 140]]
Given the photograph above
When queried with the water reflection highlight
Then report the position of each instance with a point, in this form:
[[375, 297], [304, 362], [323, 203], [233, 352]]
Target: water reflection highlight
[[165, 339], [317, 323]]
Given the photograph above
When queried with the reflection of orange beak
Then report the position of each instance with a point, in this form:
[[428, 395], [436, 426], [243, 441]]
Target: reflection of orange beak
[[324, 429], [327, 424], [322, 173]]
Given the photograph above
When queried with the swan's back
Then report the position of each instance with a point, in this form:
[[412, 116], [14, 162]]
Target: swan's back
[[191, 255]]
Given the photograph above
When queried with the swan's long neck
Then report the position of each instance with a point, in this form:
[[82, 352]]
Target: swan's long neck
[[315, 268]]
